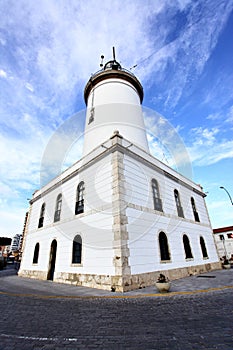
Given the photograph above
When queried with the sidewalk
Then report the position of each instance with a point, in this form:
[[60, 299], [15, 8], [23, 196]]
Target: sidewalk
[[10, 283]]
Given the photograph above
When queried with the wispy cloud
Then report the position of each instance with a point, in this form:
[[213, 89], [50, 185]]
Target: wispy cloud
[[205, 149], [180, 61], [3, 74]]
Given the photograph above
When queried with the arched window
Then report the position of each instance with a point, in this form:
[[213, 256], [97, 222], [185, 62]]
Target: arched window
[[156, 195], [57, 213], [41, 219], [203, 248], [36, 253], [187, 248], [79, 206], [178, 204], [195, 213], [77, 250], [163, 245]]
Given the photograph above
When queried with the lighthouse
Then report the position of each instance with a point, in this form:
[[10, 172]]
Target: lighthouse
[[118, 217], [113, 97]]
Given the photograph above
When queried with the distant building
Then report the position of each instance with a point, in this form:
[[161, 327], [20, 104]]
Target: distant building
[[224, 240], [16, 242], [117, 217], [5, 245]]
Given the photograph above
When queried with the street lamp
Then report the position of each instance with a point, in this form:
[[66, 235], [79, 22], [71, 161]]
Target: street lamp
[[223, 188]]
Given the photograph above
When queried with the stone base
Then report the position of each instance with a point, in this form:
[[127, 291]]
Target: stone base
[[39, 275], [121, 283], [149, 279]]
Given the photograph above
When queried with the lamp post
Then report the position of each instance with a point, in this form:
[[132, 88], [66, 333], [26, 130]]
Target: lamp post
[[223, 188]]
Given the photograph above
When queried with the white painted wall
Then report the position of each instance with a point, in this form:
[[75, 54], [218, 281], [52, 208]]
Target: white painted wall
[[116, 106], [224, 247], [145, 224], [94, 225]]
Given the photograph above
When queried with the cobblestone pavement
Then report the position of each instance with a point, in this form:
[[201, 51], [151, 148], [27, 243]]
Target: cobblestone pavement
[[37, 319]]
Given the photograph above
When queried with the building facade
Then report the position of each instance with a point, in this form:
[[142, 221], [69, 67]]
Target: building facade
[[118, 217], [224, 241], [16, 242]]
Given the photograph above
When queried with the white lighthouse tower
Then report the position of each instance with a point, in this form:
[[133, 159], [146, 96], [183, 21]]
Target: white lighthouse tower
[[117, 217], [113, 97]]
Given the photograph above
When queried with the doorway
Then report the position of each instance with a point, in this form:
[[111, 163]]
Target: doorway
[[52, 260]]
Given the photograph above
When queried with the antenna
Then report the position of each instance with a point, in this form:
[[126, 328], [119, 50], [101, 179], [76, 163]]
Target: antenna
[[113, 50], [133, 67], [102, 58]]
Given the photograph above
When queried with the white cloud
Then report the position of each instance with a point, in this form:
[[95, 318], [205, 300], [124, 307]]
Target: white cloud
[[3, 74], [204, 136], [29, 87], [12, 220], [206, 149]]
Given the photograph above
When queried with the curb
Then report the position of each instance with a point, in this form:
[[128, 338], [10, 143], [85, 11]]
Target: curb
[[135, 296]]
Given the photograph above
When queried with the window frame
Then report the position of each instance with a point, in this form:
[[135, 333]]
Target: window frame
[[203, 248], [195, 212], [179, 207], [41, 218], [36, 254], [187, 248], [77, 248], [79, 205], [164, 250], [57, 213], [156, 195]]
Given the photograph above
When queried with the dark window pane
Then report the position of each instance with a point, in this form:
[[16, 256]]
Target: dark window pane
[[77, 250], [164, 251], [36, 253], [156, 196], [79, 206], [203, 248], [195, 213], [57, 215], [187, 248]]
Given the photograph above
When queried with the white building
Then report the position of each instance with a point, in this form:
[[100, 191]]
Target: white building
[[224, 241], [15, 244], [118, 217]]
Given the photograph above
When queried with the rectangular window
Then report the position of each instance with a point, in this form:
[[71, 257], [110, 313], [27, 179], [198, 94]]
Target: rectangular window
[[158, 204], [57, 215]]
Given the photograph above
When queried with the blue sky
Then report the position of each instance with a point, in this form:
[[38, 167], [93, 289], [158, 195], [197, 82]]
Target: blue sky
[[183, 51]]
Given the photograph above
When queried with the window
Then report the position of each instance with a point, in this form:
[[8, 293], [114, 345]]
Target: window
[[195, 213], [57, 213], [203, 248], [163, 244], [230, 235], [156, 195], [178, 204], [79, 206], [221, 237], [77, 250], [41, 219], [187, 248], [36, 253]]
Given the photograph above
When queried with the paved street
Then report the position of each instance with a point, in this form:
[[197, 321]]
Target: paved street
[[39, 319]]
